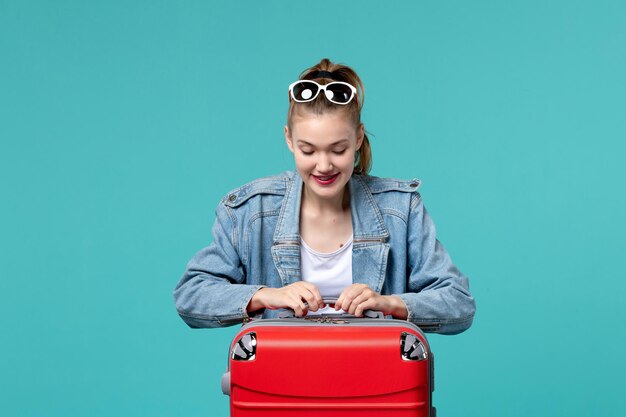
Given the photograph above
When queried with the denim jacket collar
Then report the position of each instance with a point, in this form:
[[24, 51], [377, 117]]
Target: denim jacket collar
[[370, 250], [367, 221], [288, 227]]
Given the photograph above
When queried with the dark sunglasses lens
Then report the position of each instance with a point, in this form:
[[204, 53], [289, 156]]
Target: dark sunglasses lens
[[304, 90], [341, 93]]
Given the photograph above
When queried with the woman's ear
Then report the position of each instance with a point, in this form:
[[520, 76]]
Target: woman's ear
[[288, 138], [360, 133]]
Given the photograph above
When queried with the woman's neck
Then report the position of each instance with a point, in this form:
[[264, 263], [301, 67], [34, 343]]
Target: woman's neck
[[319, 206]]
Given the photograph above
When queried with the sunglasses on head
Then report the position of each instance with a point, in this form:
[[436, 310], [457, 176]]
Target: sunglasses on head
[[338, 92]]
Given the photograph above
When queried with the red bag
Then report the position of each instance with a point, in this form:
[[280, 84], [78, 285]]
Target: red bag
[[330, 366]]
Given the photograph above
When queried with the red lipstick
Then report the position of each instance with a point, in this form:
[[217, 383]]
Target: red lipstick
[[325, 180]]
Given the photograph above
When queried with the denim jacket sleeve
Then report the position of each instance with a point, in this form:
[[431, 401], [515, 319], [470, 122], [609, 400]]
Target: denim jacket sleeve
[[212, 292], [439, 299]]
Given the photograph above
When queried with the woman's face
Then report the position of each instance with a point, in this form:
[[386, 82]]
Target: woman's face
[[323, 147]]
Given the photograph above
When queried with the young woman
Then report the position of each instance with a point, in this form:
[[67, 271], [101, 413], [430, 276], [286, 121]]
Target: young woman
[[325, 230]]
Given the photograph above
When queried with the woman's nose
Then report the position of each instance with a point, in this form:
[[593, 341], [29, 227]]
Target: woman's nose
[[324, 164]]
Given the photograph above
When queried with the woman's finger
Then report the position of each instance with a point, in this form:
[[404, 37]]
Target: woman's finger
[[349, 294], [342, 302], [299, 308], [297, 304], [347, 303], [315, 292], [318, 297], [310, 298], [339, 302], [354, 305], [366, 294], [369, 304]]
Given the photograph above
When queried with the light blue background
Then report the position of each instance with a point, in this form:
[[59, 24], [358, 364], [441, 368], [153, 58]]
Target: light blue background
[[123, 123]]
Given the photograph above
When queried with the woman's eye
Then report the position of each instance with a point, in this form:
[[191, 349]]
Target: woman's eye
[[339, 152], [307, 152]]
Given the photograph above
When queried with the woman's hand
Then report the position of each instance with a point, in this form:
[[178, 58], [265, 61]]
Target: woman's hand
[[300, 296], [357, 298]]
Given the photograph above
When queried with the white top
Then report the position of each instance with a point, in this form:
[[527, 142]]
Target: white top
[[330, 272]]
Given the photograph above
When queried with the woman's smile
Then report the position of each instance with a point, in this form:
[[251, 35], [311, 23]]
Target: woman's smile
[[326, 179]]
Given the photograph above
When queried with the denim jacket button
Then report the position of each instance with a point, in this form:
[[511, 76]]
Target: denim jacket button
[[413, 185], [232, 197]]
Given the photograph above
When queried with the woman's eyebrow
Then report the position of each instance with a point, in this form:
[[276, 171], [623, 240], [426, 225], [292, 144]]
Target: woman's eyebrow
[[304, 142]]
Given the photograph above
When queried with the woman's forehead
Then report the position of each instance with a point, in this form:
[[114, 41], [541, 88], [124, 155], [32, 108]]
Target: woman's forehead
[[304, 142], [323, 132], [334, 124]]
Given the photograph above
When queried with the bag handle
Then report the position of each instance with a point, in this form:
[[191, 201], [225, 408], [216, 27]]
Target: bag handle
[[371, 314]]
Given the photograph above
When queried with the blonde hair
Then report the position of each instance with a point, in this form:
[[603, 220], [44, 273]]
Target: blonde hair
[[363, 157]]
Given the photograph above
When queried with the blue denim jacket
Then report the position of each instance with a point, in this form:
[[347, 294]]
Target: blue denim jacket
[[256, 244]]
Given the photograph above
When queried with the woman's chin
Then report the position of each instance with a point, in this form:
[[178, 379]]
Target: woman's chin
[[327, 192]]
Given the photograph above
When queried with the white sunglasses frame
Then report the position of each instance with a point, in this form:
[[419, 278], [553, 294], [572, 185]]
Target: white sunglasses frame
[[320, 88]]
